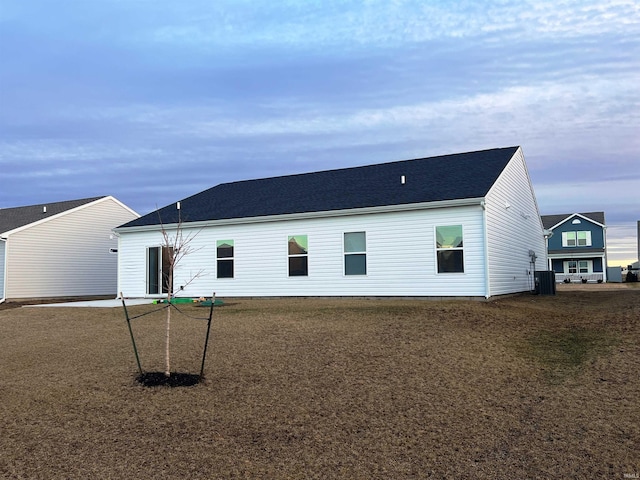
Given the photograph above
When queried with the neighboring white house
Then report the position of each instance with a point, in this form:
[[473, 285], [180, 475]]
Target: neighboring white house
[[60, 249], [462, 225]]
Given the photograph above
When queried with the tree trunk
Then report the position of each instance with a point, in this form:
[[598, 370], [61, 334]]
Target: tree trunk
[[167, 367]]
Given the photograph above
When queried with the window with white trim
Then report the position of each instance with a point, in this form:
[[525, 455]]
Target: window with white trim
[[449, 249], [225, 259], [578, 266], [298, 256], [355, 253], [584, 239], [576, 239]]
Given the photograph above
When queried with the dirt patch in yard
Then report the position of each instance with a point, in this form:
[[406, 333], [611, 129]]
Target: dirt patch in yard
[[597, 287], [521, 387]]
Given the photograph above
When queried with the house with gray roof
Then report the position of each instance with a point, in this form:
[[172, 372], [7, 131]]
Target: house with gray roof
[[461, 225], [577, 246], [60, 249]]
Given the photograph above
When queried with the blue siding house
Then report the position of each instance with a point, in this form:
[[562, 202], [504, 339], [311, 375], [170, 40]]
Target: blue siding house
[[577, 246]]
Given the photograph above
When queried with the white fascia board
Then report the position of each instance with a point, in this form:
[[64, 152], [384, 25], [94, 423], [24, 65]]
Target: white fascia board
[[61, 214], [520, 153], [121, 204], [573, 215], [590, 220], [533, 190], [553, 227], [300, 216], [503, 172]]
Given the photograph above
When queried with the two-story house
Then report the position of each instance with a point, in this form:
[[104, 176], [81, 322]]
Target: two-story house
[[577, 246]]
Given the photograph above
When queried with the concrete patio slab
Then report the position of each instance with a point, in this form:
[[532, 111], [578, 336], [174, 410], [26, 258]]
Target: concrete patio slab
[[109, 303]]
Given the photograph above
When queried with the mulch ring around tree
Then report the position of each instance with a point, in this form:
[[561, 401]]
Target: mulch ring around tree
[[159, 379]]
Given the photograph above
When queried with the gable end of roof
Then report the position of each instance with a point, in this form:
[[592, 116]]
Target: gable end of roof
[[15, 218], [552, 222]]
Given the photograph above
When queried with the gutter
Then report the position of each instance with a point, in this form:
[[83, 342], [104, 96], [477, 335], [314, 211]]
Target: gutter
[[116, 236], [605, 260], [298, 216], [4, 272]]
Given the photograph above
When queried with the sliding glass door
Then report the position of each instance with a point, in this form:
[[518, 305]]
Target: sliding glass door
[[158, 270]]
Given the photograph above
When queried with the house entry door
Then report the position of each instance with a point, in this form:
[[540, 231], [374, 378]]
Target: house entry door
[[158, 270]]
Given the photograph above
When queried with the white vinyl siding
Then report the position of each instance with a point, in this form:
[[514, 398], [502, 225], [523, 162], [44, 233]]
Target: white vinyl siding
[[400, 249], [67, 255], [513, 228]]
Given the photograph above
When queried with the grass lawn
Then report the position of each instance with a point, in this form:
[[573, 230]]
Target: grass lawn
[[521, 387]]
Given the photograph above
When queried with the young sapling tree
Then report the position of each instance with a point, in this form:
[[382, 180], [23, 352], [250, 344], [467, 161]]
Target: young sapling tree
[[176, 245]]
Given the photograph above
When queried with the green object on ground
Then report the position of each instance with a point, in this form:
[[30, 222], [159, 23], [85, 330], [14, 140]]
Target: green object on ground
[[178, 300], [181, 300], [207, 303]]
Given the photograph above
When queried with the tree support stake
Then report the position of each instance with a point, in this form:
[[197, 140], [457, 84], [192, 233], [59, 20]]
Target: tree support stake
[[133, 340], [206, 340]]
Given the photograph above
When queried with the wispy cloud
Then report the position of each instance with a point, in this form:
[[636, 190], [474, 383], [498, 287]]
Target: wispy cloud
[[622, 244], [388, 24]]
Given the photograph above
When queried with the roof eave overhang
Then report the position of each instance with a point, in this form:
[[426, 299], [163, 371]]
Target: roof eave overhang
[[556, 256], [309, 215]]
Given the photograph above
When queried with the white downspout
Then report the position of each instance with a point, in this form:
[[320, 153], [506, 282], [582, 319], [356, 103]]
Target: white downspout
[[115, 235], [487, 286], [4, 272], [604, 257], [547, 235]]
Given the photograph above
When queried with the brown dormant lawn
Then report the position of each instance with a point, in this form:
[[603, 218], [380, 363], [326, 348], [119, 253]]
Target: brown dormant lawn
[[521, 387]]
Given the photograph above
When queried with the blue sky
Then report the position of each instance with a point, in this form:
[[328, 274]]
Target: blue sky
[[152, 101]]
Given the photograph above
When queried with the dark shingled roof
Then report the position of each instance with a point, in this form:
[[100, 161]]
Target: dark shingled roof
[[549, 221], [16, 217], [447, 177]]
